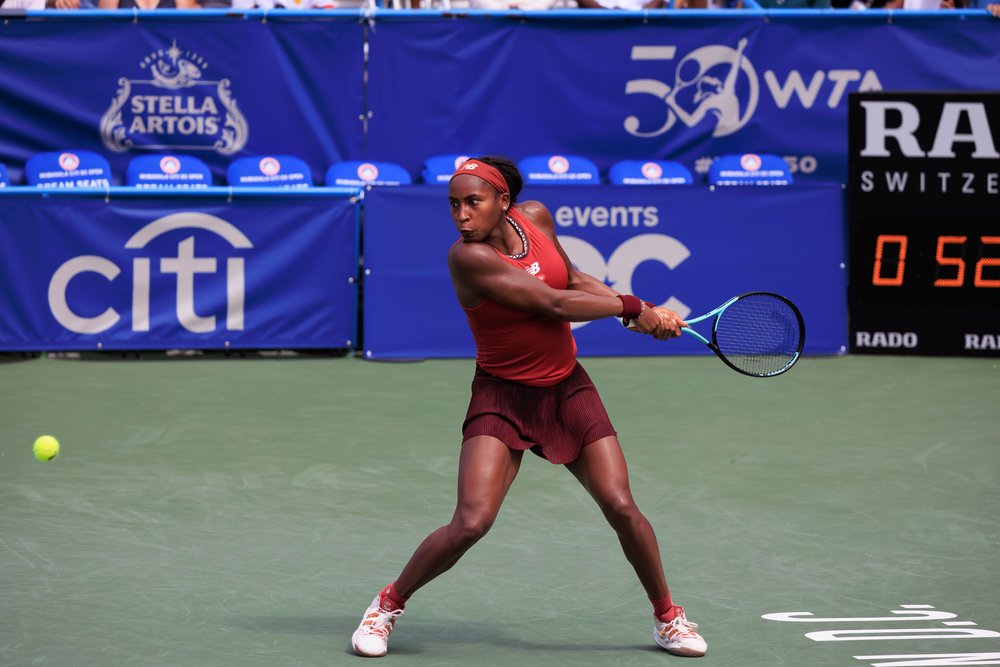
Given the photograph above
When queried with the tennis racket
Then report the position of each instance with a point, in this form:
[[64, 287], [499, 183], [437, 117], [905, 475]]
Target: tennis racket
[[759, 334]]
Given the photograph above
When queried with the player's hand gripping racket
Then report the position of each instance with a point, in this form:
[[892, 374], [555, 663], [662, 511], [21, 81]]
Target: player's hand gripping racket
[[759, 334]]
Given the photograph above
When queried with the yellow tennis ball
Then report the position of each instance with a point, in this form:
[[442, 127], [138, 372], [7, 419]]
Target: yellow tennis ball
[[46, 448]]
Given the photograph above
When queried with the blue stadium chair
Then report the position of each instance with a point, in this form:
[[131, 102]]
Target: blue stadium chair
[[558, 170], [749, 169], [68, 169], [361, 173], [4, 178], [439, 168], [269, 171], [164, 170], [649, 172]]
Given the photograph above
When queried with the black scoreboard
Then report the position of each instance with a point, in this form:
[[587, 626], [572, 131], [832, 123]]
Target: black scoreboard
[[924, 223]]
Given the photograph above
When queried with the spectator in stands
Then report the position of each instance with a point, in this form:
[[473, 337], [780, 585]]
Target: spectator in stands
[[148, 4], [48, 4], [922, 5], [289, 4], [528, 5], [624, 4], [795, 4], [708, 4]]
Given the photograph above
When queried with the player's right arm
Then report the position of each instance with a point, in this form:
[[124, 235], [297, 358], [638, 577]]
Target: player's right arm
[[477, 272], [584, 282]]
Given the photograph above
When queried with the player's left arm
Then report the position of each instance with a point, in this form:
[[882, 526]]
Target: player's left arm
[[578, 280]]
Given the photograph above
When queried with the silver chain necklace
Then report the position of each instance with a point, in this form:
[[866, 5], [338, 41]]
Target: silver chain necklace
[[524, 240]]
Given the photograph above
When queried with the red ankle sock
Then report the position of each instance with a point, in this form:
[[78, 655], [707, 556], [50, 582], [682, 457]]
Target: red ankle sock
[[390, 600], [663, 609]]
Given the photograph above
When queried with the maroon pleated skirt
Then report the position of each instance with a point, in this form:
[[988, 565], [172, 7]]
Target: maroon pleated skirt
[[553, 422]]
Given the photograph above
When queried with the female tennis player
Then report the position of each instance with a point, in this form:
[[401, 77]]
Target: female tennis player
[[520, 292]]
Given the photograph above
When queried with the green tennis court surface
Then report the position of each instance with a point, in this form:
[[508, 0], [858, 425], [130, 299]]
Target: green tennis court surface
[[245, 511]]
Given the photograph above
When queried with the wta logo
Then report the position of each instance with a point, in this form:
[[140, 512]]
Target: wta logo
[[713, 82]]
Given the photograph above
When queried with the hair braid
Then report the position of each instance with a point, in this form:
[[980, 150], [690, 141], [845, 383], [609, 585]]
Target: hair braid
[[510, 173]]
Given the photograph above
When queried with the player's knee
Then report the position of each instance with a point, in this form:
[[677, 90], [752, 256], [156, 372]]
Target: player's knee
[[621, 511], [468, 527]]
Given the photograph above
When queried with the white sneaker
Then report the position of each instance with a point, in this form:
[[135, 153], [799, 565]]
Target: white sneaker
[[679, 636], [371, 639]]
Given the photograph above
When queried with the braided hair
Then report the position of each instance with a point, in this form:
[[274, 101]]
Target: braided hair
[[510, 173]]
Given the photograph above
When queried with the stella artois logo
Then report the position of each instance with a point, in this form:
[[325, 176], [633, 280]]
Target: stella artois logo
[[173, 107]]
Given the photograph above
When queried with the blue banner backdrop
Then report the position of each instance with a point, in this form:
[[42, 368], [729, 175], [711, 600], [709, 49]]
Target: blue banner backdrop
[[687, 86], [217, 88], [690, 89], [78, 272], [690, 248]]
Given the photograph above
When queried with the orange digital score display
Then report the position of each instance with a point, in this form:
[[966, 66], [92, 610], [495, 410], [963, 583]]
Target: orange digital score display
[[945, 261]]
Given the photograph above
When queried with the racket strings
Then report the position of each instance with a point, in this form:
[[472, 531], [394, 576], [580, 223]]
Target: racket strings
[[759, 334]]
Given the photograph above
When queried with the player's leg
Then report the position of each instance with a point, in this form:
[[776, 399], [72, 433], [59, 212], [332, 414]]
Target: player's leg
[[486, 470], [602, 470]]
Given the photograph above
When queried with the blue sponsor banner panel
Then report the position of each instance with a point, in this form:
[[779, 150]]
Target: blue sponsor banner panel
[[691, 89], [671, 86], [216, 88], [689, 248], [87, 272]]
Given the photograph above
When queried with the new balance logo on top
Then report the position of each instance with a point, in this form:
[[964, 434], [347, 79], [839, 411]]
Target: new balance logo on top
[[533, 269]]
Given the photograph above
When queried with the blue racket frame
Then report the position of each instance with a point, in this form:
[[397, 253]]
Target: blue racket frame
[[713, 344]]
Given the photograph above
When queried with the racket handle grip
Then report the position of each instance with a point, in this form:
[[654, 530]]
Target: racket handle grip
[[630, 323], [632, 306]]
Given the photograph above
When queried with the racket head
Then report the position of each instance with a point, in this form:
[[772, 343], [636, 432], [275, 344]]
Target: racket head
[[760, 334]]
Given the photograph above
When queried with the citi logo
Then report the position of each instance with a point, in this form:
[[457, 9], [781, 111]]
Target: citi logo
[[185, 265], [533, 269], [886, 339]]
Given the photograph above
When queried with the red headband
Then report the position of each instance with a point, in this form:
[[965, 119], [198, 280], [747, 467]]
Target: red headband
[[486, 172]]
